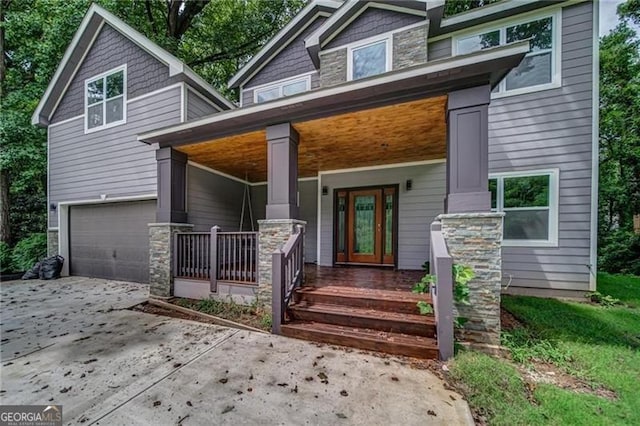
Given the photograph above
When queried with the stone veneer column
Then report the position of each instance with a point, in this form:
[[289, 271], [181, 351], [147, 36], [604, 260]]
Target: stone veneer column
[[161, 237], [52, 242], [272, 235], [475, 240]]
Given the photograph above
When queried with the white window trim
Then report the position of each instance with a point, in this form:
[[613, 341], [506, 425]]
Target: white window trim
[[554, 195], [556, 49], [279, 84], [122, 68], [388, 39]]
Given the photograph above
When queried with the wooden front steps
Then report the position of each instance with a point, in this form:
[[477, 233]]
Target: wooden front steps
[[370, 319]]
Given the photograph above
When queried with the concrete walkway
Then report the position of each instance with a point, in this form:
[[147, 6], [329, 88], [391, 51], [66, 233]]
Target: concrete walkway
[[73, 342]]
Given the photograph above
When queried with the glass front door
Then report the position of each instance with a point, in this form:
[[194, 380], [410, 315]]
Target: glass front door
[[365, 226]]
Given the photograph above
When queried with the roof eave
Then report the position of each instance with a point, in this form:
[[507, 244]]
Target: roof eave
[[308, 12], [485, 67]]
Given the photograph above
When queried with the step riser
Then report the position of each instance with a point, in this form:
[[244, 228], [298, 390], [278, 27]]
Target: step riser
[[381, 305], [394, 326], [390, 348]]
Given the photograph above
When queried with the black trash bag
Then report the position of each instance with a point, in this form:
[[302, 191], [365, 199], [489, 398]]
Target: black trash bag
[[33, 273], [51, 268]]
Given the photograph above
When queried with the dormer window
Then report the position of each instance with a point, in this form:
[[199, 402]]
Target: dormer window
[[106, 99], [288, 87], [370, 58]]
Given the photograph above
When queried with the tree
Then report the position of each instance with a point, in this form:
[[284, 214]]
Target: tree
[[453, 7], [215, 37], [619, 195]]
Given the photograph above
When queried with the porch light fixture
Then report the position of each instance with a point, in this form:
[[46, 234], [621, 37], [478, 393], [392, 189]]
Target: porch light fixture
[[408, 185], [53, 207], [325, 190]]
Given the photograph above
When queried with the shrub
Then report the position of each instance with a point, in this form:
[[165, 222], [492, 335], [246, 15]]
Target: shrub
[[620, 252], [5, 257], [29, 251]]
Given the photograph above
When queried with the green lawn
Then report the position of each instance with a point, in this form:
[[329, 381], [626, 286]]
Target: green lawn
[[599, 345]]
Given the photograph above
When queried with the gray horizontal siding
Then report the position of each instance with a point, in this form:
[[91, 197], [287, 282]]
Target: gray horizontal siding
[[371, 22], [439, 49], [309, 213], [416, 208], [553, 129], [213, 200], [111, 49], [292, 60], [111, 161], [198, 107], [308, 191]]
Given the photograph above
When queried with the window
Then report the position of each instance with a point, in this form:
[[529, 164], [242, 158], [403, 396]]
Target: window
[[530, 203], [369, 59], [284, 88], [538, 68], [105, 99]]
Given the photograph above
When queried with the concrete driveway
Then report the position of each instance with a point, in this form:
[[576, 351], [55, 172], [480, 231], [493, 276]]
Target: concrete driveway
[[73, 342]]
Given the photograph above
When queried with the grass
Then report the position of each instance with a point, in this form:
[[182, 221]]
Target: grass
[[598, 345], [252, 315]]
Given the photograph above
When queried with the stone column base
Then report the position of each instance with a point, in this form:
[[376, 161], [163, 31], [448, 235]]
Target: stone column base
[[272, 235], [52, 242], [475, 240], [161, 237]]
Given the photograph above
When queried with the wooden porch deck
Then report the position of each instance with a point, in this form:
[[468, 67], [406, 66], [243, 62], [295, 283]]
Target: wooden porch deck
[[363, 307], [375, 278]]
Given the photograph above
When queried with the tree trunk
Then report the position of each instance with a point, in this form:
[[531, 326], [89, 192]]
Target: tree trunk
[[5, 229]]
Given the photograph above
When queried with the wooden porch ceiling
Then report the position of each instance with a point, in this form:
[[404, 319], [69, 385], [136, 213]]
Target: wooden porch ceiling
[[401, 133]]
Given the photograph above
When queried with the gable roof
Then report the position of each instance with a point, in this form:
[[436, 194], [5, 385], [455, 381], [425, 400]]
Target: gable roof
[[283, 38], [349, 12], [82, 41]]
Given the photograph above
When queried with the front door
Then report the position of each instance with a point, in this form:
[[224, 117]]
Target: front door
[[366, 225]]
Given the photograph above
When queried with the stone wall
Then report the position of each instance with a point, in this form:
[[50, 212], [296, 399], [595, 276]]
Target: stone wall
[[410, 47], [52, 242], [475, 240], [273, 235], [161, 237], [333, 67]]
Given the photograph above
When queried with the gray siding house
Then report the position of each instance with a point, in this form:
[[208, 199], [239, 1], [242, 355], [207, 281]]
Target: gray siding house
[[377, 127]]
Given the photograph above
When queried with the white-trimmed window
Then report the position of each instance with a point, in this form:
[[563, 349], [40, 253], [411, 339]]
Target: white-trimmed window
[[106, 99], [369, 58], [540, 68], [281, 89], [529, 201]]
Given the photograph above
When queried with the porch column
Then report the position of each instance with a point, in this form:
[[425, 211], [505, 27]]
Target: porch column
[[171, 218], [468, 151], [282, 172], [172, 179]]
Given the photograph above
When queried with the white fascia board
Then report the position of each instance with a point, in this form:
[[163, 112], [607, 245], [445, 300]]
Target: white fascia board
[[314, 39], [35, 118], [494, 53], [481, 12], [277, 39]]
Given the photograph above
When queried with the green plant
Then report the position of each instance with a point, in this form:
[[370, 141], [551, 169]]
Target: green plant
[[424, 307], [601, 299], [462, 275], [29, 251], [5, 257], [266, 321], [526, 347]]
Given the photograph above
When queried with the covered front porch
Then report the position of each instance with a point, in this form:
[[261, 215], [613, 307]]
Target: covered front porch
[[350, 175]]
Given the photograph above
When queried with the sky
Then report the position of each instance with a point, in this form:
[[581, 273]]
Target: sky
[[608, 17]]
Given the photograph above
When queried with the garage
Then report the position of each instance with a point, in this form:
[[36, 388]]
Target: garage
[[111, 240]]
